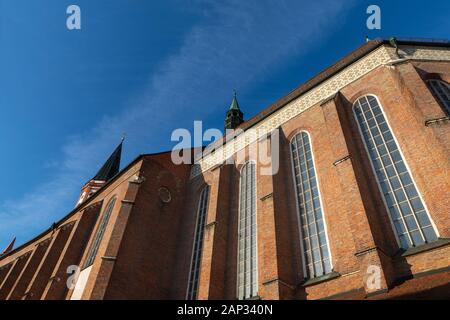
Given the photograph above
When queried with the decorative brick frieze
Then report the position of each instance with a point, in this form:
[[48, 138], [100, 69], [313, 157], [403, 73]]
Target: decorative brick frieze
[[384, 55]]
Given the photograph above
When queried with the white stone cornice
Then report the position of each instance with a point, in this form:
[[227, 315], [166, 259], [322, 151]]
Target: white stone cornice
[[383, 55]]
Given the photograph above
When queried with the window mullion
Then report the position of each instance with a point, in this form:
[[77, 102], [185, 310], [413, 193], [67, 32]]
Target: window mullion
[[445, 88], [307, 235], [312, 205], [398, 175], [383, 165]]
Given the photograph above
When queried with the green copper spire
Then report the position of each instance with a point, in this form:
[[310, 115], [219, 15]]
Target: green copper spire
[[234, 104], [234, 116]]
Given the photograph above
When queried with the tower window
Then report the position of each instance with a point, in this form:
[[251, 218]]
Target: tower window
[[247, 271], [198, 245], [313, 231], [441, 91], [99, 234], [411, 222]]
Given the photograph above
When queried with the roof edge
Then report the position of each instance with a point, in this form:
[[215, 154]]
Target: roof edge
[[85, 203], [327, 73], [76, 209]]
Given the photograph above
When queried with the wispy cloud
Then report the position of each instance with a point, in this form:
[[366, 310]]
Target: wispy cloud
[[235, 44]]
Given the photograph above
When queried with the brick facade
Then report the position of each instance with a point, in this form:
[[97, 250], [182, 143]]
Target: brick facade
[[146, 250]]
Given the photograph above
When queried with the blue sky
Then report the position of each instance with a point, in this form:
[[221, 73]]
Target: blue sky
[[149, 67]]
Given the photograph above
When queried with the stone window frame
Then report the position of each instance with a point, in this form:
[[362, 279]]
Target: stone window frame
[[253, 276], [197, 247], [99, 233], [397, 175], [307, 274], [432, 83]]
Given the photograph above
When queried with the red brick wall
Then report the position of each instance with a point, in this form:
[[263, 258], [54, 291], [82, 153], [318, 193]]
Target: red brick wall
[[360, 233], [145, 262], [147, 246]]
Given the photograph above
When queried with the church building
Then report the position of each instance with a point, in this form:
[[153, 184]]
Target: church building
[[356, 208]]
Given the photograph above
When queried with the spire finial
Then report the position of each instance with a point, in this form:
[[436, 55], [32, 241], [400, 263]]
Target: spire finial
[[234, 104], [124, 135], [234, 115]]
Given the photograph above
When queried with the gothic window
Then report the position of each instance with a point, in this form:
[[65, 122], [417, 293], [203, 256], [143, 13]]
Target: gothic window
[[99, 234], [198, 244], [247, 271], [312, 225], [441, 91], [407, 212]]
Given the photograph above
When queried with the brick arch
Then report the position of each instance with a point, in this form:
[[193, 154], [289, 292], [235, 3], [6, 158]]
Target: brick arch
[[304, 128], [240, 166], [200, 187], [106, 202], [375, 92], [433, 76], [247, 159]]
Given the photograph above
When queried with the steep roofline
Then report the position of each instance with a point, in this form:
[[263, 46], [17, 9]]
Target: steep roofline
[[334, 69], [84, 204], [324, 75]]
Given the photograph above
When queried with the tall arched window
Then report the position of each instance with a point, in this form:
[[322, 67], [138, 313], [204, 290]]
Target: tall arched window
[[313, 231], [247, 271], [441, 91], [407, 211], [99, 234], [198, 244]]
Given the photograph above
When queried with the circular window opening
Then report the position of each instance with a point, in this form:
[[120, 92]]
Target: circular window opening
[[164, 194]]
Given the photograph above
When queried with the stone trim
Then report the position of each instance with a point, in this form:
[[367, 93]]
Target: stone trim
[[341, 160], [136, 179], [211, 224], [426, 247], [106, 258], [268, 282], [437, 120], [369, 250], [326, 277], [217, 166], [267, 196], [330, 98]]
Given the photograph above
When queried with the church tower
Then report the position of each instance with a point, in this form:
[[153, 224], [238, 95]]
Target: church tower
[[234, 116], [106, 172]]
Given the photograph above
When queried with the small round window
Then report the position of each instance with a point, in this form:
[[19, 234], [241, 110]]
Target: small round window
[[164, 194]]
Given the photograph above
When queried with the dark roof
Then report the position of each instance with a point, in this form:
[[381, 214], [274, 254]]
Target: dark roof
[[84, 204], [111, 166]]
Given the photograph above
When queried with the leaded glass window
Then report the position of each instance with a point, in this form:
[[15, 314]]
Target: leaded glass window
[[99, 234], [247, 259], [407, 211], [441, 90], [198, 244], [313, 231]]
